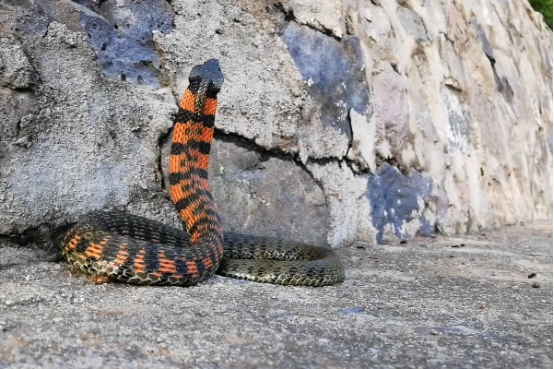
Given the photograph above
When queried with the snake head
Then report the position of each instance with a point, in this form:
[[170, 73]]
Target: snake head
[[207, 80]]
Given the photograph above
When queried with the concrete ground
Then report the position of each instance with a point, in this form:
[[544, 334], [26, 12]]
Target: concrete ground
[[480, 301]]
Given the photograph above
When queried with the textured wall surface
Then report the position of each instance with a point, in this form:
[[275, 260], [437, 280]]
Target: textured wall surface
[[339, 121]]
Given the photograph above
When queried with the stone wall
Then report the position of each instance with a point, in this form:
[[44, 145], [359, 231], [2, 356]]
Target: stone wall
[[338, 121]]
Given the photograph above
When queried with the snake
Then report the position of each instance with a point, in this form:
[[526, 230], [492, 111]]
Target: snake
[[118, 246]]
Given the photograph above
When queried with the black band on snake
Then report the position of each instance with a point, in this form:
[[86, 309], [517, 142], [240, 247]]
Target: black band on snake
[[128, 248]]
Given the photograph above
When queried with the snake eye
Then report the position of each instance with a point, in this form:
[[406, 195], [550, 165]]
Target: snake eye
[[215, 86], [195, 77]]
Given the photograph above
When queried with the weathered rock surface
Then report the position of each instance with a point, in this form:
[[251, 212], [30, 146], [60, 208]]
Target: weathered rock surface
[[338, 121]]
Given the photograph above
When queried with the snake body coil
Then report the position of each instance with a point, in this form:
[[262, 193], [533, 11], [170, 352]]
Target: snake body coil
[[137, 250]]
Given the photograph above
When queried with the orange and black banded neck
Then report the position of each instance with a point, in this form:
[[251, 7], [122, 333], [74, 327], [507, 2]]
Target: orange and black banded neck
[[190, 149]]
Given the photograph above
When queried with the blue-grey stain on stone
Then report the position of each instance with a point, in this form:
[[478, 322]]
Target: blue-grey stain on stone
[[485, 43], [334, 71], [394, 197], [121, 35], [412, 23]]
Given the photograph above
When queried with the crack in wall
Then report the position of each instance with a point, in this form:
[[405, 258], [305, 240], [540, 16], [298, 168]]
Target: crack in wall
[[45, 236], [162, 139], [265, 152], [289, 17]]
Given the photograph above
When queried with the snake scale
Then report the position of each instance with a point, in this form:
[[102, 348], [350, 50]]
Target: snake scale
[[122, 247]]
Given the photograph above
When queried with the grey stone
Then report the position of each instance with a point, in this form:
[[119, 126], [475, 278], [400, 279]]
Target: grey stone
[[324, 15], [333, 70], [460, 121], [345, 194], [65, 169], [395, 200], [255, 196], [412, 22], [362, 149], [121, 36], [18, 106], [390, 112], [15, 70]]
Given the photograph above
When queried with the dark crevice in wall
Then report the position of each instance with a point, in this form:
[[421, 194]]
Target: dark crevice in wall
[[324, 30], [45, 236], [7, 266], [263, 153], [351, 140], [381, 160], [17, 128], [30, 89], [446, 36], [266, 153], [162, 139], [288, 14], [492, 61], [288, 17]]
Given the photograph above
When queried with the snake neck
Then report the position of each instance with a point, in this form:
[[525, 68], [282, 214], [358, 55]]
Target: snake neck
[[188, 164]]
